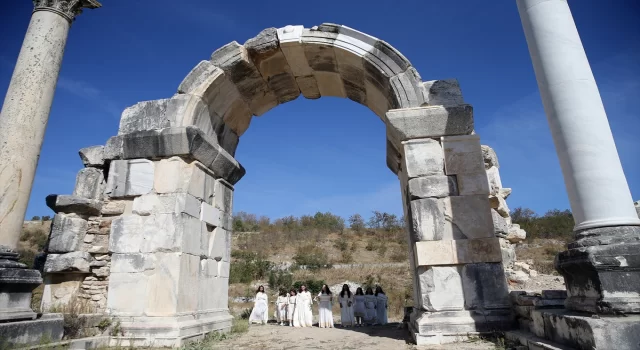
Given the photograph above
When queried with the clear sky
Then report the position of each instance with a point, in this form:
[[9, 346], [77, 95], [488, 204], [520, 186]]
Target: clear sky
[[329, 154]]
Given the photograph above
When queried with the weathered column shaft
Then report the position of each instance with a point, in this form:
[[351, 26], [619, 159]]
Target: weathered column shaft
[[24, 117], [595, 182]]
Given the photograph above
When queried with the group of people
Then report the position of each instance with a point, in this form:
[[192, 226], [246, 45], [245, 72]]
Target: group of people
[[294, 307]]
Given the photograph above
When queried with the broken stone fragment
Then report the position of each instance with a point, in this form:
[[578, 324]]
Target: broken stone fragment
[[66, 233], [500, 225], [430, 121], [75, 262], [147, 115], [442, 92], [71, 204], [490, 157], [516, 234], [92, 156], [90, 184]]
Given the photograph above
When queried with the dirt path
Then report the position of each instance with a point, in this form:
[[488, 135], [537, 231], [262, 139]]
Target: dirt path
[[380, 337]]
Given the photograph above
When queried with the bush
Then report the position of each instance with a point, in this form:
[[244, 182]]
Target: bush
[[248, 267], [312, 256], [35, 218], [342, 244], [347, 257], [280, 280], [313, 286], [356, 223], [399, 255], [371, 245], [555, 224]]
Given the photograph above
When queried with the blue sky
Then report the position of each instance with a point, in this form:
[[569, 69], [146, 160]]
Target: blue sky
[[329, 154]]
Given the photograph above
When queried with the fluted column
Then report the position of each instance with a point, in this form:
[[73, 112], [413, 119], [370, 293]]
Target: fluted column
[[26, 107]]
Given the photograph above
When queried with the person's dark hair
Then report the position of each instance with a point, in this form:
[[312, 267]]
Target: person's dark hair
[[294, 291], [359, 291], [345, 288], [369, 291], [379, 290], [305, 288], [283, 292], [325, 290], [259, 287]]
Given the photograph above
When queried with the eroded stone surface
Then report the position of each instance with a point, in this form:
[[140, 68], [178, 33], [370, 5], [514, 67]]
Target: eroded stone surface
[[92, 156], [128, 178], [72, 204], [431, 121], [90, 184], [423, 157], [66, 233], [74, 262]]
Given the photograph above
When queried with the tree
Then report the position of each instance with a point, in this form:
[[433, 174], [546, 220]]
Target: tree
[[35, 218], [46, 218], [356, 223]]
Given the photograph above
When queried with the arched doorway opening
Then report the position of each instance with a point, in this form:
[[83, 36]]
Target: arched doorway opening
[[167, 198]]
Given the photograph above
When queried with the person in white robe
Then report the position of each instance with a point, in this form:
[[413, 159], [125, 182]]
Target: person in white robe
[[346, 307], [260, 312], [325, 303], [381, 306], [370, 302], [302, 316], [281, 307], [359, 310], [291, 305]]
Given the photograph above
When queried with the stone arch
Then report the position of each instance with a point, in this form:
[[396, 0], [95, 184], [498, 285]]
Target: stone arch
[[162, 214]]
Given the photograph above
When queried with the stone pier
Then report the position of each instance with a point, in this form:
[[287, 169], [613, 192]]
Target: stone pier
[[601, 267]]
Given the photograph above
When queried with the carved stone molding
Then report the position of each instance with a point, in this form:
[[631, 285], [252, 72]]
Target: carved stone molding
[[68, 9]]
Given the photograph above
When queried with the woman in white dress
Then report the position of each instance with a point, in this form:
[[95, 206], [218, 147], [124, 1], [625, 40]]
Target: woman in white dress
[[281, 307], [291, 305], [359, 310], [381, 306], [260, 312], [302, 316], [346, 307], [325, 303], [370, 302]]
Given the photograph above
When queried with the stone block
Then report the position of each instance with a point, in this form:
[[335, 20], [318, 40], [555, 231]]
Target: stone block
[[427, 219], [92, 156], [548, 303], [114, 207], [440, 288], [223, 196], [330, 84], [431, 121], [500, 226], [523, 311], [423, 158], [25, 333], [490, 157], [452, 326], [493, 178], [508, 255], [406, 87], [228, 140], [127, 234], [71, 204], [500, 205], [210, 215], [485, 286], [90, 184], [467, 217], [462, 155], [264, 51], [74, 262], [435, 186], [132, 262], [223, 269], [129, 178], [191, 110], [554, 294], [66, 233], [128, 293], [442, 92], [227, 167], [147, 115], [454, 252], [219, 244], [472, 184], [156, 233], [516, 234], [173, 203], [234, 60]]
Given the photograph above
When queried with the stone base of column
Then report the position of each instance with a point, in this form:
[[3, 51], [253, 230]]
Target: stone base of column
[[173, 331], [602, 270], [16, 284], [428, 328]]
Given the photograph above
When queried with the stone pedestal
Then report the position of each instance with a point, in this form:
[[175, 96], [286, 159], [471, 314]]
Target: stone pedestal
[[16, 284]]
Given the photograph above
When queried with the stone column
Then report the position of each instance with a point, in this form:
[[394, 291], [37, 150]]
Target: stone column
[[26, 107], [601, 268]]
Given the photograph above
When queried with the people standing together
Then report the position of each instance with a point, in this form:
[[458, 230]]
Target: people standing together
[[294, 308]]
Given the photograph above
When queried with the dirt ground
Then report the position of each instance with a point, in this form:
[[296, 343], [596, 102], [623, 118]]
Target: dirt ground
[[388, 337]]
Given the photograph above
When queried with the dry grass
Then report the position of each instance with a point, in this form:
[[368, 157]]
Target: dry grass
[[540, 253]]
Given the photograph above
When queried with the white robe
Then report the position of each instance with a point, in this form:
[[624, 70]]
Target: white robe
[[260, 312], [381, 309], [346, 310], [370, 308], [325, 315], [291, 306], [358, 306], [281, 309], [302, 316]]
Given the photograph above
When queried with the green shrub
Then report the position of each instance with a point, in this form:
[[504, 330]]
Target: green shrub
[[312, 256], [248, 267], [342, 244], [313, 286], [280, 280]]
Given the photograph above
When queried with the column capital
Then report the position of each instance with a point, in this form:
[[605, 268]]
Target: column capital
[[68, 9]]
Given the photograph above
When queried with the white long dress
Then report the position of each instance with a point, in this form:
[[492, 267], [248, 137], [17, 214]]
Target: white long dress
[[291, 307], [325, 315], [346, 311], [358, 306], [370, 308], [302, 316], [281, 309], [260, 312], [381, 308]]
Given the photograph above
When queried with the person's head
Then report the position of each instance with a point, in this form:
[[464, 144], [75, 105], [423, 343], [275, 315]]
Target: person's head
[[359, 291], [283, 292], [369, 291], [345, 290], [260, 289], [325, 289], [293, 292], [303, 288], [379, 290]]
